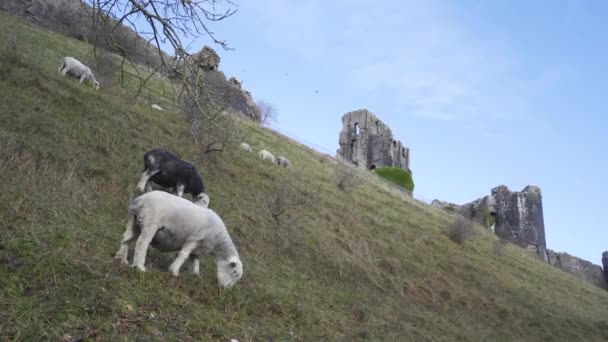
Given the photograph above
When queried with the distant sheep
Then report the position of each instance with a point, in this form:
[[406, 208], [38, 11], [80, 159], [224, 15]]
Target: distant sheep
[[265, 155], [246, 147], [73, 67], [170, 223], [167, 170], [157, 107], [284, 162]]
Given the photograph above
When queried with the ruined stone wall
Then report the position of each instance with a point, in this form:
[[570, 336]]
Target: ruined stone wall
[[482, 210], [367, 142], [578, 267], [519, 217], [605, 264]]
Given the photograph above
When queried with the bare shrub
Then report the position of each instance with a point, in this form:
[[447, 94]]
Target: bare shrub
[[292, 193], [213, 130], [347, 177], [11, 55], [265, 113], [106, 66], [499, 246], [460, 230]]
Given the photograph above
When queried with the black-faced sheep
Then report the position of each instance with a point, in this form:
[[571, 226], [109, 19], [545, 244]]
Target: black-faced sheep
[[73, 67], [265, 155], [170, 223], [167, 170], [246, 147], [284, 162]]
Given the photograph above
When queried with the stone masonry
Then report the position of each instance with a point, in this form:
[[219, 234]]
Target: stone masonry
[[578, 267], [367, 142], [605, 264], [519, 217]]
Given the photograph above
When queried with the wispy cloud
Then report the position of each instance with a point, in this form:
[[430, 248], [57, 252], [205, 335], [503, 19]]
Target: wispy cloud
[[420, 53]]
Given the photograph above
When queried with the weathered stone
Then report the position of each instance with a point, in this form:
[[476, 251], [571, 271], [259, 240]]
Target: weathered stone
[[578, 267], [605, 264], [368, 143], [482, 210], [235, 82], [519, 217], [206, 59]]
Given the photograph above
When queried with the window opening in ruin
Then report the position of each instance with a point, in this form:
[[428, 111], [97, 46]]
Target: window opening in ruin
[[403, 151], [394, 143], [356, 128], [373, 167]]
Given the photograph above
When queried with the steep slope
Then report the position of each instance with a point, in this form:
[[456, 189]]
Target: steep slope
[[348, 265]]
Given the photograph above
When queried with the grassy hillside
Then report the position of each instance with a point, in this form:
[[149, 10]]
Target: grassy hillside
[[350, 265]]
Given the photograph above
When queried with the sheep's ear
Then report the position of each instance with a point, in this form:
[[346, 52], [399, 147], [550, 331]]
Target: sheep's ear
[[233, 264]]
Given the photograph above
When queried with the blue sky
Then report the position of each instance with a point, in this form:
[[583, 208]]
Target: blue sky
[[483, 92]]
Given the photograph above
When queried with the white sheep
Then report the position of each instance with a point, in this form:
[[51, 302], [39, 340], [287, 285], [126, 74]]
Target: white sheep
[[73, 67], [170, 223], [284, 162], [157, 107], [246, 147], [265, 155]]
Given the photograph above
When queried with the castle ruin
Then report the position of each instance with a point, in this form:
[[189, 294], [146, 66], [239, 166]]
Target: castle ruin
[[517, 216], [368, 143]]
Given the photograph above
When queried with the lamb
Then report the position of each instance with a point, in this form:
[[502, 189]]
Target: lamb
[[157, 107], [73, 67], [284, 162], [265, 155], [246, 147], [167, 170], [170, 223]]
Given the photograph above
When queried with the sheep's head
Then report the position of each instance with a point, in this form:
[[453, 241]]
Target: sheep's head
[[96, 84], [201, 199], [229, 271]]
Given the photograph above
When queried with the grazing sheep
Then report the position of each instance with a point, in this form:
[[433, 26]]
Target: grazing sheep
[[284, 162], [157, 107], [246, 147], [73, 67], [167, 170], [170, 223], [265, 155]]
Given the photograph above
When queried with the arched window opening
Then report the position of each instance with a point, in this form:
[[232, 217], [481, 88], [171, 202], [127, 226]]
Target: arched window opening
[[356, 128]]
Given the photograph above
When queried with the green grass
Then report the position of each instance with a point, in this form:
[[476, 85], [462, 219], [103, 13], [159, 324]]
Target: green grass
[[360, 265], [397, 175]]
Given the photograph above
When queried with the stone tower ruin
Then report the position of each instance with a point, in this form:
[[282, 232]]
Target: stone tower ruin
[[515, 216], [367, 142], [519, 217]]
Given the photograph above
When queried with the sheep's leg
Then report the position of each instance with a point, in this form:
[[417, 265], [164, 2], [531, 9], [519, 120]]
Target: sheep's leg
[[64, 71], [148, 187], [145, 177], [128, 236], [196, 266], [180, 190], [142, 244], [183, 255], [82, 78]]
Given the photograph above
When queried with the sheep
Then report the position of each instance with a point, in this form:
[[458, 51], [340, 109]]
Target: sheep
[[284, 162], [170, 223], [246, 147], [157, 107], [73, 67], [265, 155], [167, 170]]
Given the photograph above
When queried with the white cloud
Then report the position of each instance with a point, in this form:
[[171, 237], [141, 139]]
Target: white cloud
[[421, 53]]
